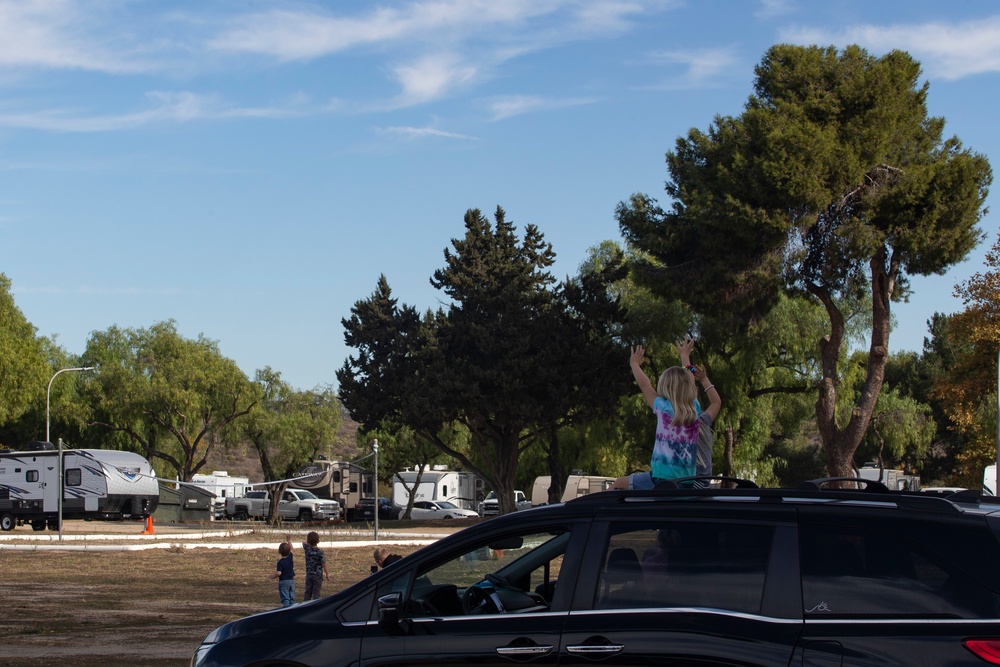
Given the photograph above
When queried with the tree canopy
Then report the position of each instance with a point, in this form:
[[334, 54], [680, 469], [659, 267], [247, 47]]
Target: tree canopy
[[512, 356], [834, 183], [170, 396]]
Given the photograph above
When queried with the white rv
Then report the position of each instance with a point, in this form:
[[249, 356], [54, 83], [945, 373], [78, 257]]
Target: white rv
[[97, 484], [223, 485], [576, 486], [461, 488], [990, 480]]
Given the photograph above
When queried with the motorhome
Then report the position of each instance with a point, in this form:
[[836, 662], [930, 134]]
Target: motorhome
[[438, 483], [343, 481], [990, 480], [576, 486], [97, 484], [223, 485]]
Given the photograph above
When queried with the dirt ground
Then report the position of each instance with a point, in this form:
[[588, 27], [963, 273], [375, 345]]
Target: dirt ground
[[150, 607]]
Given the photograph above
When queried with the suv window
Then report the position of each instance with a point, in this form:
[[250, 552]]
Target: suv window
[[515, 572], [856, 573], [685, 564]]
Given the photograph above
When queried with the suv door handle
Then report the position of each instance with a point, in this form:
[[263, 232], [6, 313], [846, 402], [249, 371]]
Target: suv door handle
[[604, 648], [535, 649]]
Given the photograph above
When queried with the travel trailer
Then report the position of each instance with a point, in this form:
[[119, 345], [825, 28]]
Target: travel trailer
[[896, 480], [464, 489], [343, 481], [97, 484], [576, 486], [223, 485]]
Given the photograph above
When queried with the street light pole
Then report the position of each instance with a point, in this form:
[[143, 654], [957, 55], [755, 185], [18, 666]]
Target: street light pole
[[377, 504], [59, 467]]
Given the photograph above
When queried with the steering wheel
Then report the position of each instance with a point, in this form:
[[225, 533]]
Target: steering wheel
[[477, 600]]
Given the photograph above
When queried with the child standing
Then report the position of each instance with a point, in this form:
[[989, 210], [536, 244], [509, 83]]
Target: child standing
[[315, 566], [674, 403], [285, 573]]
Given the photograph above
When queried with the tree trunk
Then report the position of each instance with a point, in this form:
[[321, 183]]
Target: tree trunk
[[841, 444], [557, 472]]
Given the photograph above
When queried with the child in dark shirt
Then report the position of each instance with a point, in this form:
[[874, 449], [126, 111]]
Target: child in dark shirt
[[285, 573], [315, 566]]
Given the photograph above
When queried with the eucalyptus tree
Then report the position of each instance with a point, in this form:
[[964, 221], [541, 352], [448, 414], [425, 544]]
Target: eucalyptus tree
[[833, 183], [288, 428], [170, 397], [24, 369]]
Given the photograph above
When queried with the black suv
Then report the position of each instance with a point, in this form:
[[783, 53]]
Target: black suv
[[807, 577]]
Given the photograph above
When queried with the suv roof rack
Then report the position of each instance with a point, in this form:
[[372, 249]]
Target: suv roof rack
[[823, 483]]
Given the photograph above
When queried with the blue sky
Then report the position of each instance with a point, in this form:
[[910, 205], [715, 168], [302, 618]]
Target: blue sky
[[248, 169]]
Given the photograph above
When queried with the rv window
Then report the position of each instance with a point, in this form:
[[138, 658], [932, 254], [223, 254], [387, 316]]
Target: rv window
[[444, 490], [354, 487], [31, 476], [336, 477], [74, 477]]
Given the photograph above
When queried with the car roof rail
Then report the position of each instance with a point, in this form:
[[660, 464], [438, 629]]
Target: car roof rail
[[823, 484], [691, 482]]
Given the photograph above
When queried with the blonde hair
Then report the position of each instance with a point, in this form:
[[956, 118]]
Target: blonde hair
[[677, 385]]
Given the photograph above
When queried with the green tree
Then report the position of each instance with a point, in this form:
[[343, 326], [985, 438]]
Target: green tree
[[169, 396], [288, 428], [833, 183], [494, 362], [24, 370]]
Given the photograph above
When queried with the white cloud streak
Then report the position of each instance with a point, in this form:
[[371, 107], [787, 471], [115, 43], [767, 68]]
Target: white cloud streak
[[169, 107], [701, 68], [506, 106], [946, 50], [414, 133]]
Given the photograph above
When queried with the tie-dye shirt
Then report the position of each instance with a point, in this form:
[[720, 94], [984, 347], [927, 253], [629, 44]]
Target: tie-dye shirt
[[676, 447]]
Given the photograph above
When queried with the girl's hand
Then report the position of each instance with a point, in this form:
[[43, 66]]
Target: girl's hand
[[638, 356]]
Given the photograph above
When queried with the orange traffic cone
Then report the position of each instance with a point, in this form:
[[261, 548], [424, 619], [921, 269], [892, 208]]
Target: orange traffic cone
[[149, 526]]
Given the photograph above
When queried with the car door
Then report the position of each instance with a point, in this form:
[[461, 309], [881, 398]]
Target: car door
[[891, 591], [686, 591], [493, 601]]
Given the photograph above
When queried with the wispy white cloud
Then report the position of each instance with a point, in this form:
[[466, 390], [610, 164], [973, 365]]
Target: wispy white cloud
[[701, 68], [945, 50], [771, 9], [168, 107], [505, 106], [431, 77], [59, 34], [413, 133], [438, 45]]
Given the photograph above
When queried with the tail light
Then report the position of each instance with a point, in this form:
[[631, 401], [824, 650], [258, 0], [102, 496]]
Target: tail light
[[985, 649]]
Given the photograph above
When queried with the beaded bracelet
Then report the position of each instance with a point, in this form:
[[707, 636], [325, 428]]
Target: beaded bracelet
[[692, 369]]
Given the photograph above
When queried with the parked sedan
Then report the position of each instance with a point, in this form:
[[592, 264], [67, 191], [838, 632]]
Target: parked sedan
[[437, 509], [365, 509]]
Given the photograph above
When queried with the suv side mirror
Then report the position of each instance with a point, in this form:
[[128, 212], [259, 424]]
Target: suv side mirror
[[388, 613]]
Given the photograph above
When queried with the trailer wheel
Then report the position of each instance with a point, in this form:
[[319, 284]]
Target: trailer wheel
[[7, 521], [38, 524], [305, 515]]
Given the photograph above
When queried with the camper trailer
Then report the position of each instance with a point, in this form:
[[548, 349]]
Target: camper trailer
[[896, 480], [343, 481], [223, 485], [576, 486], [97, 484], [462, 488]]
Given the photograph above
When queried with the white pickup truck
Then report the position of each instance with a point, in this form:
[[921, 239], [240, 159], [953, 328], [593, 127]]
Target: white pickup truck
[[491, 504], [295, 505]]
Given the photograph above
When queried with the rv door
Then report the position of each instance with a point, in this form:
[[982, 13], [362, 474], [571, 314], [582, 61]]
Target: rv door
[[48, 483]]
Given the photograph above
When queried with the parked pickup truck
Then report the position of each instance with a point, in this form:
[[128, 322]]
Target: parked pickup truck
[[295, 505], [491, 504]]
